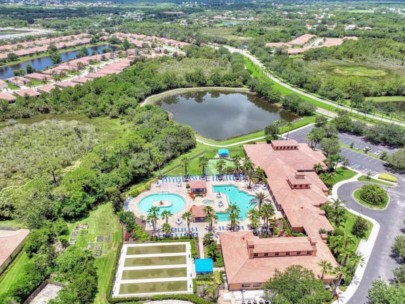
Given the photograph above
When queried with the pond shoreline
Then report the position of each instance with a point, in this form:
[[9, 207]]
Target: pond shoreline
[[153, 99]]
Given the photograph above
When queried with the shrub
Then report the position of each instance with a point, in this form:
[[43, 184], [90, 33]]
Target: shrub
[[360, 227], [374, 195], [387, 177]]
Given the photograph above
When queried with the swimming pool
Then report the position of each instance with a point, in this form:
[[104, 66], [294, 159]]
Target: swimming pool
[[175, 203], [237, 197]]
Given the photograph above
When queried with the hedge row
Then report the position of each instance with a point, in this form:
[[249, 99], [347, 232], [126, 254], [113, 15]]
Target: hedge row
[[184, 297]]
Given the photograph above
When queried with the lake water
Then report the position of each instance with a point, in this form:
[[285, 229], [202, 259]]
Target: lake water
[[45, 62], [221, 115]]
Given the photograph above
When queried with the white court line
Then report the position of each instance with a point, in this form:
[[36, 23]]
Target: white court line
[[154, 267], [155, 255]]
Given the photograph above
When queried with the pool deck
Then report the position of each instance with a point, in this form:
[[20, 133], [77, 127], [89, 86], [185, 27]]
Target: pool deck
[[201, 228]]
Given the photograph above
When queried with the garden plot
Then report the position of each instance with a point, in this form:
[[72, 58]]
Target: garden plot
[[154, 268]]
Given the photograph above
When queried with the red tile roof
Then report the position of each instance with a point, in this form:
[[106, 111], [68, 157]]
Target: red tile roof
[[27, 93], [240, 268], [197, 211], [7, 96], [198, 184], [10, 240]]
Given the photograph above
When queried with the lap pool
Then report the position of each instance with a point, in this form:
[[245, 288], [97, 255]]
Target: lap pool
[[164, 201], [243, 200]]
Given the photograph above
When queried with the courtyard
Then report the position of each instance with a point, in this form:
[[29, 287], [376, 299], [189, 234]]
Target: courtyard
[[154, 268]]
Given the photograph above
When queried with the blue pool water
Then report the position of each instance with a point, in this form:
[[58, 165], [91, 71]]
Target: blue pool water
[[235, 196], [177, 201]]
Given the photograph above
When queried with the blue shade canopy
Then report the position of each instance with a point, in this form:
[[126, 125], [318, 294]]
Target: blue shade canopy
[[223, 152], [204, 266]]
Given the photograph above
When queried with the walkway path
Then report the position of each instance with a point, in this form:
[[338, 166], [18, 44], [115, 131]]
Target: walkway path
[[381, 263], [301, 92]]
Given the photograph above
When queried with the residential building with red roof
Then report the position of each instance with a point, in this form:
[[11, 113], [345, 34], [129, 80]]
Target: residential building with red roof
[[27, 93], [7, 97]]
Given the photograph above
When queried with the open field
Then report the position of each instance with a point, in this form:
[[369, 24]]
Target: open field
[[101, 222], [359, 71], [386, 99], [223, 32]]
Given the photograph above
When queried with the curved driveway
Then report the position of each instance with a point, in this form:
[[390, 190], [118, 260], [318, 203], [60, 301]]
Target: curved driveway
[[381, 263]]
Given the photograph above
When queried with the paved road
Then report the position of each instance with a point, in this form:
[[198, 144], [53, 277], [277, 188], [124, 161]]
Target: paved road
[[301, 92], [381, 263]]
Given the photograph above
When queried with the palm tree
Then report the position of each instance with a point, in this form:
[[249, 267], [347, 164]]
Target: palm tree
[[153, 216], [233, 213], [254, 217], [221, 166], [326, 268], [266, 213], [158, 159], [260, 196], [236, 164], [165, 215], [187, 216], [185, 161], [166, 228], [203, 162], [337, 209], [339, 272], [210, 216], [251, 175], [318, 168]]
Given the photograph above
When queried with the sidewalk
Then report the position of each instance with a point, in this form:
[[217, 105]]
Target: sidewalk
[[365, 247]]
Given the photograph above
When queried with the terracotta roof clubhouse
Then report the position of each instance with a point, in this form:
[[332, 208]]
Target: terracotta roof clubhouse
[[299, 193]]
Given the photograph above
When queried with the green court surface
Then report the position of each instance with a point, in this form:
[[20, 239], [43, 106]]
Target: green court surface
[[154, 273], [156, 249], [169, 260], [153, 287]]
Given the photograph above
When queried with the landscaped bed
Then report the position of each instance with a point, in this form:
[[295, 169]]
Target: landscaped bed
[[154, 273], [140, 288], [379, 197]]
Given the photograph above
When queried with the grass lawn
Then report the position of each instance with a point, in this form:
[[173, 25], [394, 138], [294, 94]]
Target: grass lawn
[[167, 260], [358, 199], [342, 174], [366, 179], [102, 222], [350, 220], [153, 287], [359, 71], [388, 177], [156, 249], [154, 273], [387, 99], [13, 272]]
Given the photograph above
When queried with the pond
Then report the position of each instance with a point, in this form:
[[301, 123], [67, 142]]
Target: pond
[[45, 62], [221, 115]]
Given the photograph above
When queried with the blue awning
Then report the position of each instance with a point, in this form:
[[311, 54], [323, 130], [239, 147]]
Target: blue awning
[[223, 152], [204, 266]]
